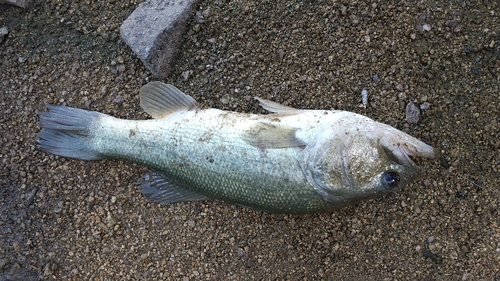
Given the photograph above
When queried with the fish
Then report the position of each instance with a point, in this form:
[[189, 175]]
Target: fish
[[292, 161]]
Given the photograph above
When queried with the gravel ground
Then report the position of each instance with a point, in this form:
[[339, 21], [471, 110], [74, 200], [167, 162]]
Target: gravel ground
[[65, 219]]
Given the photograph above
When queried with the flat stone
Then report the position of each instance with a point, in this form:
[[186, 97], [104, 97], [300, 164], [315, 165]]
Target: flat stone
[[155, 30], [19, 3]]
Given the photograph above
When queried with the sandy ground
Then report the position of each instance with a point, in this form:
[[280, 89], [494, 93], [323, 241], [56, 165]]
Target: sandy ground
[[64, 219]]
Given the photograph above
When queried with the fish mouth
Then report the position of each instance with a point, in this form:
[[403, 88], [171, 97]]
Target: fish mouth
[[400, 147]]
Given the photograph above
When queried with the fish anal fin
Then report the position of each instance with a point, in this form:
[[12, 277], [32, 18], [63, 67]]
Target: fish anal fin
[[266, 135], [159, 99], [161, 190], [275, 107]]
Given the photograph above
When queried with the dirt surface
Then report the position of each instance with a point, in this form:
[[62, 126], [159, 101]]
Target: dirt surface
[[64, 219]]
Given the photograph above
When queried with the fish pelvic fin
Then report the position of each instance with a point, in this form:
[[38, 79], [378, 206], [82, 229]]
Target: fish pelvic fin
[[66, 132], [164, 191], [159, 99]]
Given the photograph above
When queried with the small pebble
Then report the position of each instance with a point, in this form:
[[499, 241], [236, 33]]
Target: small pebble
[[424, 106], [412, 113], [186, 74], [118, 99], [364, 97], [58, 207], [444, 162], [452, 24], [120, 68], [343, 10]]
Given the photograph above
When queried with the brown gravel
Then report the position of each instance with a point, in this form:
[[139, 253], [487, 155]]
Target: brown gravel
[[65, 219]]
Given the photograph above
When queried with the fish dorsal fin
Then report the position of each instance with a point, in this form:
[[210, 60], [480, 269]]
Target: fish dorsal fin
[[164, 191], [265, 135], [275, 107], [159, 99]]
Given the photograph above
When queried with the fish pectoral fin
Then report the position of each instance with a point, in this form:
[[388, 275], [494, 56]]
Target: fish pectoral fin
[[275, 107], [159, 99], [266, 135], [159, 189]]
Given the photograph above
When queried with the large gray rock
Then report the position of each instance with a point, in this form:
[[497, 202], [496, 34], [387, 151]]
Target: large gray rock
[[19, 3], [155, 30]]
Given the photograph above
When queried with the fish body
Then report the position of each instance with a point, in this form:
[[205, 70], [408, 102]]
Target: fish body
[[289, 161]]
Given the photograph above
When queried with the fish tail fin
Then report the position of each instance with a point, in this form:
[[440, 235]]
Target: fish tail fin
[[66, 131]]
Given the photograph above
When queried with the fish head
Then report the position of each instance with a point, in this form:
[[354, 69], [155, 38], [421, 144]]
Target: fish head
[[355, 158]]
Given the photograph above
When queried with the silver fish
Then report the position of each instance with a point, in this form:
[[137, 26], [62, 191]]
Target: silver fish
[[289, 161]]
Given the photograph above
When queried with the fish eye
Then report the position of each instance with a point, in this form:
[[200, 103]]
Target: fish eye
[[391, 179]]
